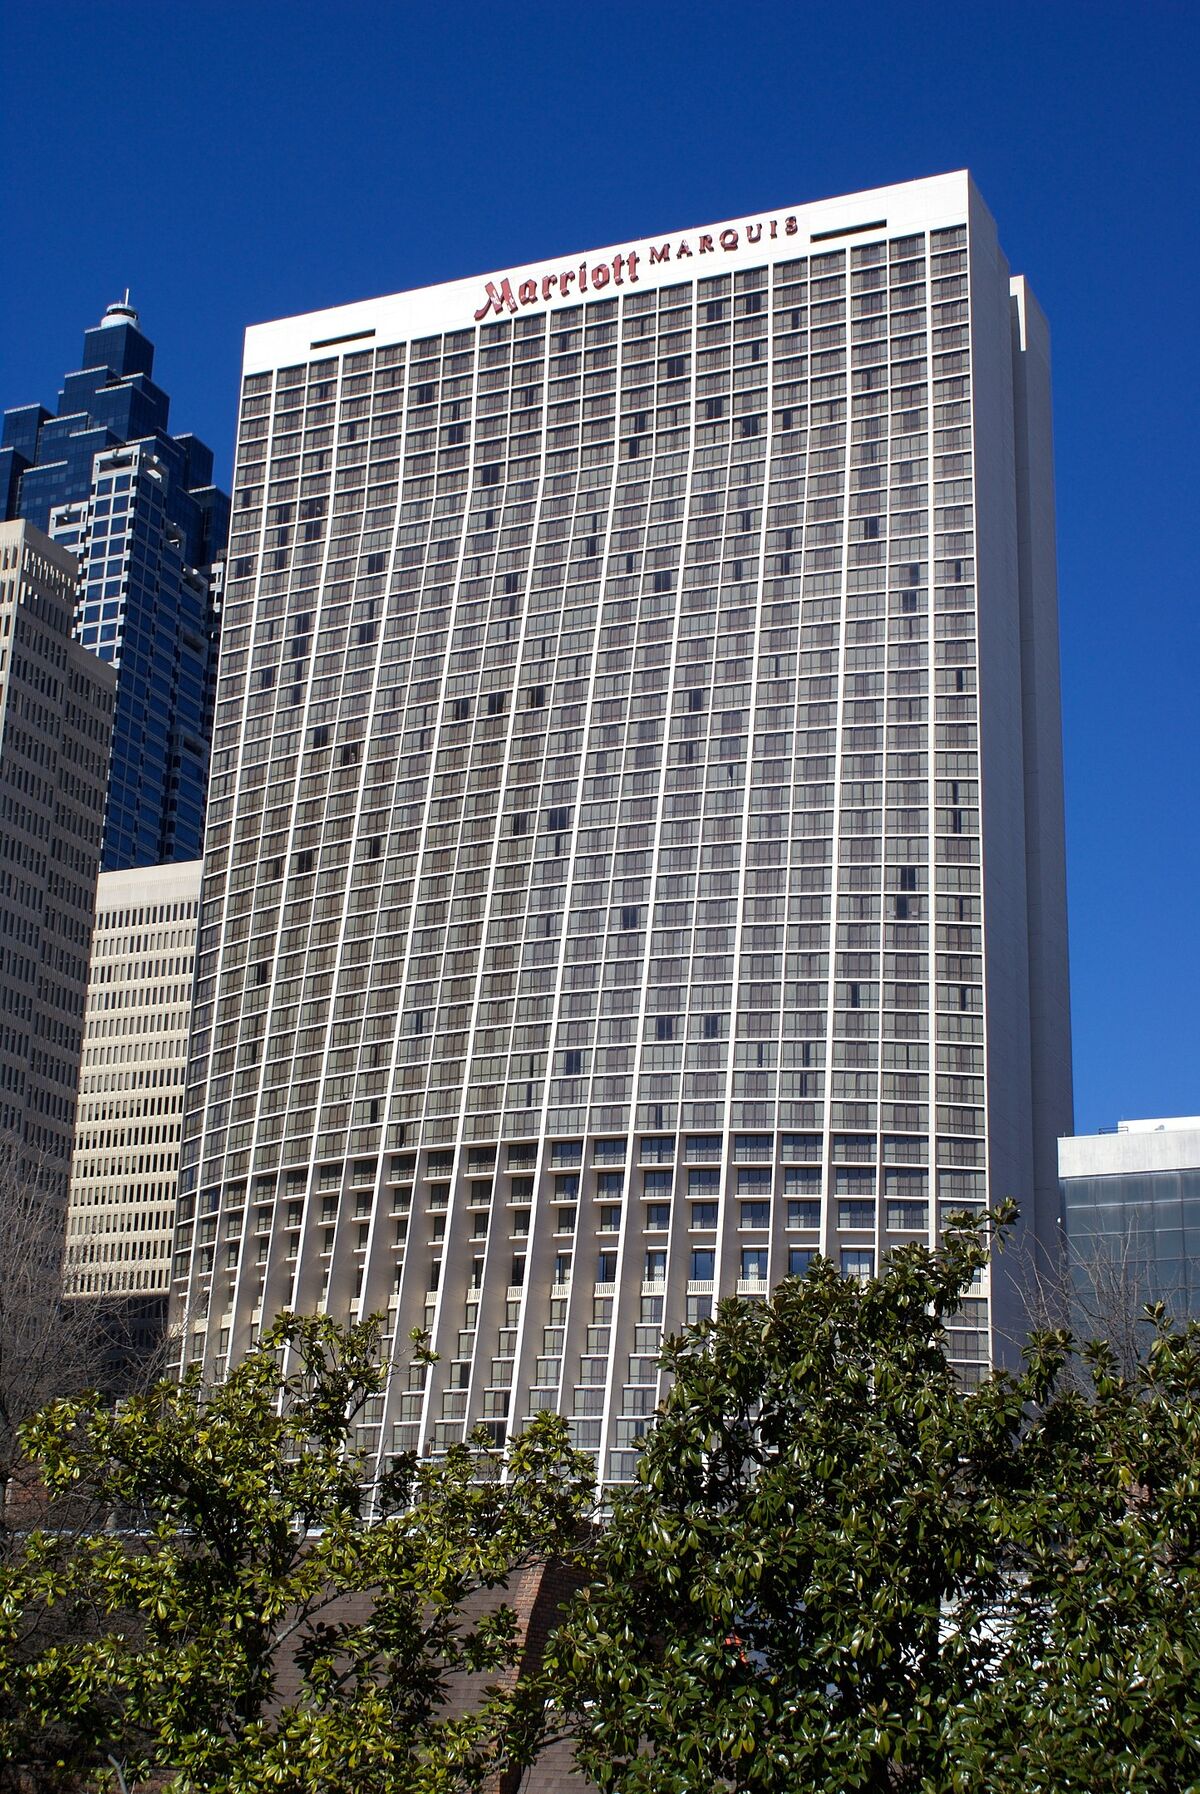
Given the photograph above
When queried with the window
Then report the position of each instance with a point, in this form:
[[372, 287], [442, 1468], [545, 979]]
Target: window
[[653, 1181], [664, 1027], [856, 1214], [799, 1260], [606, 1267], [804, 1214], [704, 1264], [755, 1214], [656, 1266], [912, 1217], [754, 1264], [610, 1219], [658, 1150], [857, 1262], [658, 1217]]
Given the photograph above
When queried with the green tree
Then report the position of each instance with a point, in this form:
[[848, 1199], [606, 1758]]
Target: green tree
[[838, 1571], [256, 1616]]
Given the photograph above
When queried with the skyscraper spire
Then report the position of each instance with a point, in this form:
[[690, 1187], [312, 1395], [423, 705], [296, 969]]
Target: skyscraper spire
[[120, 312], [136, 504]]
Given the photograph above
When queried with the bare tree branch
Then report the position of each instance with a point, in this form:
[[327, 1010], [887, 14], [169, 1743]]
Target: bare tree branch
[[1099, 1289]]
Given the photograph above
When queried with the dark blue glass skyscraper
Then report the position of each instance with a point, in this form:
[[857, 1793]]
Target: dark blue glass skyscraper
[[137, 505]]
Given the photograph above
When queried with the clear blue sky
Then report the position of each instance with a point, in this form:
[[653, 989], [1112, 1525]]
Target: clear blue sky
[[235, 160]]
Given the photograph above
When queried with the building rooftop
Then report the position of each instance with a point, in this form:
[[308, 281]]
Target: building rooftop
[[1169, 1143]]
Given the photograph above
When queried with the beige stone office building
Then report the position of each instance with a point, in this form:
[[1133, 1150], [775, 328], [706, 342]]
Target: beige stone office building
[[56, 707], [126, 1163]]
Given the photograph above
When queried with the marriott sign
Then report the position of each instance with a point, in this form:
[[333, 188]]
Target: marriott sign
[[511, 294]]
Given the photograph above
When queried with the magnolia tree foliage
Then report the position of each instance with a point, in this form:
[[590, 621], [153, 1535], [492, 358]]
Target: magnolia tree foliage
[[241, 1550], [837, 1571]]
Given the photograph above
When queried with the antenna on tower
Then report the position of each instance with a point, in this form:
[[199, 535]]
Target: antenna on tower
[[120, 312]]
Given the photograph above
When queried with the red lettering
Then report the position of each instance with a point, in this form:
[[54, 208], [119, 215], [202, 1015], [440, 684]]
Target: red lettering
[[527, 292], [565, 279], [631, 262], [753, 233], [684, 249], [660, 255], [583, 277], [790, 226], [548, 281], [600, 276], [729, 239], [618, 264], [497, 301], [774, 227], [705, 245]]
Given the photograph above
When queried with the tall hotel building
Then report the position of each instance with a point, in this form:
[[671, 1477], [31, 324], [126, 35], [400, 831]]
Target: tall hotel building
[[635, 850]]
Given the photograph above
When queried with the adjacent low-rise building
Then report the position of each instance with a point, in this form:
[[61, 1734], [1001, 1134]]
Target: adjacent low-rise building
[[1131, 1207]]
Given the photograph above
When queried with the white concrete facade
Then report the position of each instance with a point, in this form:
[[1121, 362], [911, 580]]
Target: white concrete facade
[[1169, 1144], [635, 851]]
